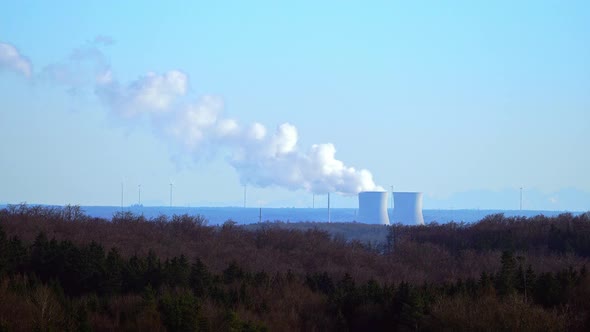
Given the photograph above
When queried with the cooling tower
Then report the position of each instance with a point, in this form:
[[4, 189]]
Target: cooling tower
[[407, 208], [373, 207]]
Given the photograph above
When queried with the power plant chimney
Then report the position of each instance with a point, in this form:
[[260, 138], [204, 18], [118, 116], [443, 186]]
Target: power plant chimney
[[407, 208], [373, 207]]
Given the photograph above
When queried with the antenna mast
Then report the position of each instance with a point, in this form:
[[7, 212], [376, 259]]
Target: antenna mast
[[392, 199]]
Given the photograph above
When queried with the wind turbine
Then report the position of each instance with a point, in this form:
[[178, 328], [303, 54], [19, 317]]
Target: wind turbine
[[329, 216], [171, 186], [139, 194], [121, 195]]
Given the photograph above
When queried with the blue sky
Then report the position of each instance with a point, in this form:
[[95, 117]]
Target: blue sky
[[440, 97]]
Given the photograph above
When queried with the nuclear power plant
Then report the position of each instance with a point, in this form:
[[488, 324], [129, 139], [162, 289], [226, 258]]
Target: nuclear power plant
[[373, 207], [407, 208]]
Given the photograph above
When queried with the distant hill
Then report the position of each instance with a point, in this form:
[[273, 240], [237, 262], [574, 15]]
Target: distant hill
[[509, 199]]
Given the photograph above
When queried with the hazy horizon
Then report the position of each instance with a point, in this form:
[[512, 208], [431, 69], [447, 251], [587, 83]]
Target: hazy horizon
[[506, 200]]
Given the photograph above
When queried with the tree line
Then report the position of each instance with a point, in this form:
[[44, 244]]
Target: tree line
[[68, 275]]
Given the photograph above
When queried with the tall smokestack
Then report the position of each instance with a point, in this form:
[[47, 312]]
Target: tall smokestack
[[407, 208], [373, 207]]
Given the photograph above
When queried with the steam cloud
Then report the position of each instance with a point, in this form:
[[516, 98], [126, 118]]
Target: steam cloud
[[11, 59], [260, 157]]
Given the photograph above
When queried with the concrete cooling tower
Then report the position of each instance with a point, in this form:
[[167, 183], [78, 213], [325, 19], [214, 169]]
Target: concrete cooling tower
[[407, 208], [373, 207]]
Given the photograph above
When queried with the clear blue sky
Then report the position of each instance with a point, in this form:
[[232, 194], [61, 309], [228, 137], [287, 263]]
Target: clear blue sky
[[435, 96]]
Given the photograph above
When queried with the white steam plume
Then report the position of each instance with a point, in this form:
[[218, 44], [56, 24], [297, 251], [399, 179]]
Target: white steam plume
[[150, 93], [260, 158], [12, 59], [84, 67]]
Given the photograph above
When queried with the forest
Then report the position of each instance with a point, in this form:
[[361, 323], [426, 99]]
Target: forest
[[62, 270]]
